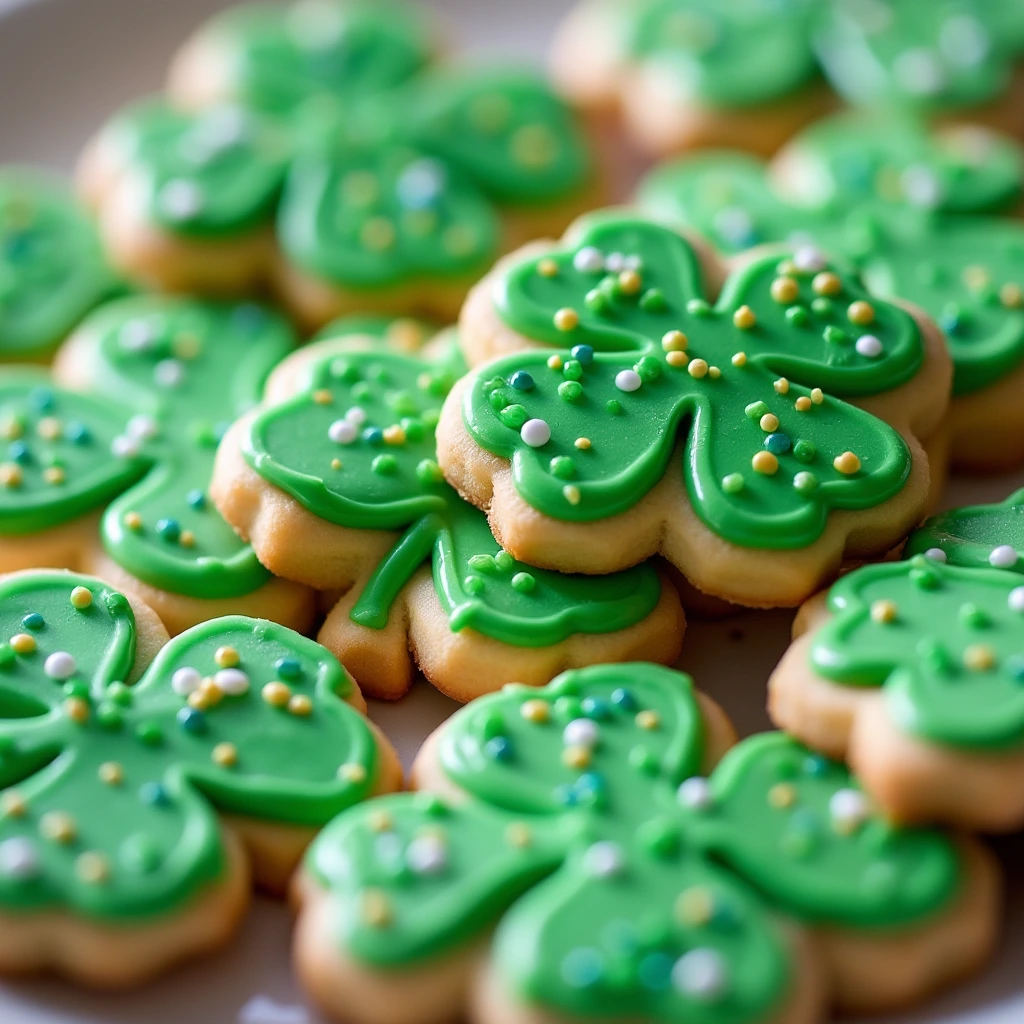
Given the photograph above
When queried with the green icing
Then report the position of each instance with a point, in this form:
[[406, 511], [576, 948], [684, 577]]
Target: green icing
[[357, 448], [966, 271], [111, 792], [738, 54], [945, 642], [52, 270], [215, 174], [932, 55], [621, 883], [630, 402], [976, 537]]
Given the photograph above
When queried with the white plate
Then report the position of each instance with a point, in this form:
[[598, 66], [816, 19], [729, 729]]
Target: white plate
[[65, 65]]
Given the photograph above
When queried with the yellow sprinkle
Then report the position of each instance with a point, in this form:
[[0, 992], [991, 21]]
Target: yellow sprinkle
[[58, 826], [186, 346], [817, 396], [276, 694], [133, 521], [352, 772], [694, 906], [11, 475], [76, 709], [211, 691], [49, 428], [571, 493], [781, 386], [826, 283], [518, 835], [536, 711], [225, 754], [979, 657], [380, 821], [322, 396], [769, 422], [92, 868], [81, 597], [788, 268], [375, 908], [576, 757], [554, 362], [405, 335], [883, 611], [676, 359], [861, 313], [674, 341], [226, 657], [394, 434], [566, 319], [12, 803], [1011, 296], [765, 462], [111, 773], [534, 145], [547, 267], [802, 404], [744, 318], [11, 429], [22, 643], [697, 368], [739, 359], [714, 372], [300, 705], [199, 700], [378, 233], [647, 719], [187, 539], [782, 795], [785, 290], [53, 475], [975, 277], [583, 443], [630, 282], [335, 463], [846, 463]]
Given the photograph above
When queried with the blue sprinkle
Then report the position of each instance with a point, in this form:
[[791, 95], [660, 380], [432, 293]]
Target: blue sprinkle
[[804, 820], [521, 381], [18, 451], [815, 765], [595, 707], [498, 748], [374, 435], [582, 968], [288, 668], [1015, 666], [33, 621], [249, 317], [196, 499], [192, 720], [778, 443], [565, 795], [624, 699], [169, 529], [655, 971], [154, 793], [590, 783], [41, 399], [584, 354], [77, 433]]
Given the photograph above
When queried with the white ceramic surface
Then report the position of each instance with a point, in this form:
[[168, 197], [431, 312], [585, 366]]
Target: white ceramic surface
[[65, 65]]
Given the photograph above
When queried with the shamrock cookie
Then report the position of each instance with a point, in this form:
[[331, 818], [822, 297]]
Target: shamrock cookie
[[910, 671], [107, 463], [333, 166], [335, 483], [52, 270], [906, 208], [686, 74], [575, 854], [721, 434], [145, 781]]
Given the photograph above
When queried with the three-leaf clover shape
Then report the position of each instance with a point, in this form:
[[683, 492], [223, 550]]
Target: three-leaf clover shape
[[576, 823], [752, 385], [354, 444], [52, 269], [162, 379], [112, 787]]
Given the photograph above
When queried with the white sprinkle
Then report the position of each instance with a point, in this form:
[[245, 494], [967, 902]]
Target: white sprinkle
[[168, 373], [60, 665], [695, 793], [1003, 557], [180, 199], [343, 431], [627, 380], [233, 681], [868, 345], [18, 858], [734, 224], [919, 71], [632, 262], [701, 974], [615, 262], [935, 554], [964, 41], [427, 855], [581, 732], [848, 807], [589, 260], [141, 427], [1016, 599], [138, 335], [604, 859], [921, 186], [185, 681], [809, 260], [356, 415], [316, 24], [535, 433], [420, 184], [124, 447]]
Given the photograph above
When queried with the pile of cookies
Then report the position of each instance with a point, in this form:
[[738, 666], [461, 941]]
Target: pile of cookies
[[227, 430]]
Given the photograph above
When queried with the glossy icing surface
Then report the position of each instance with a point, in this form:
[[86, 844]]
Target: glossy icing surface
[[620, 881], [111, 791]]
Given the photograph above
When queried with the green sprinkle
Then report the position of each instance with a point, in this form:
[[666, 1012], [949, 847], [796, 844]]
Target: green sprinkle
[[935, 655], [473, 584], [109, 716], [7, 656], [805, 482], [649, 368], [483, 563], [563, 467], [523, 582], [430, 418], [403, 403], [653, 301], [385, 465], [823, 306], [513, 416], [499, 398], [596, 301], [76, 688], [414, 429], [493, 724], [570, 390], [834, 335], [733, 483], [973, 617], [428, 472], [698, 307], [345, 370], [572, 370], [504, 561], [925, 579], [804, 451], [119, 694], [798, 316], [755, 410], [613, 407], [361, 392], [149, 733]]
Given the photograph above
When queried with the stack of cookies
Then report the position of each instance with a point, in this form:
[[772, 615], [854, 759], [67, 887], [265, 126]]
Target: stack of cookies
[[301, 360]]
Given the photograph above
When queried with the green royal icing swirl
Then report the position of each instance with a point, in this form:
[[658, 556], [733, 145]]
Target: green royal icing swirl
[[357, 448], [52, 269], [111, 791], [620, 882], [966, 271], [977, 537], [611, 419], [945, 642]]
